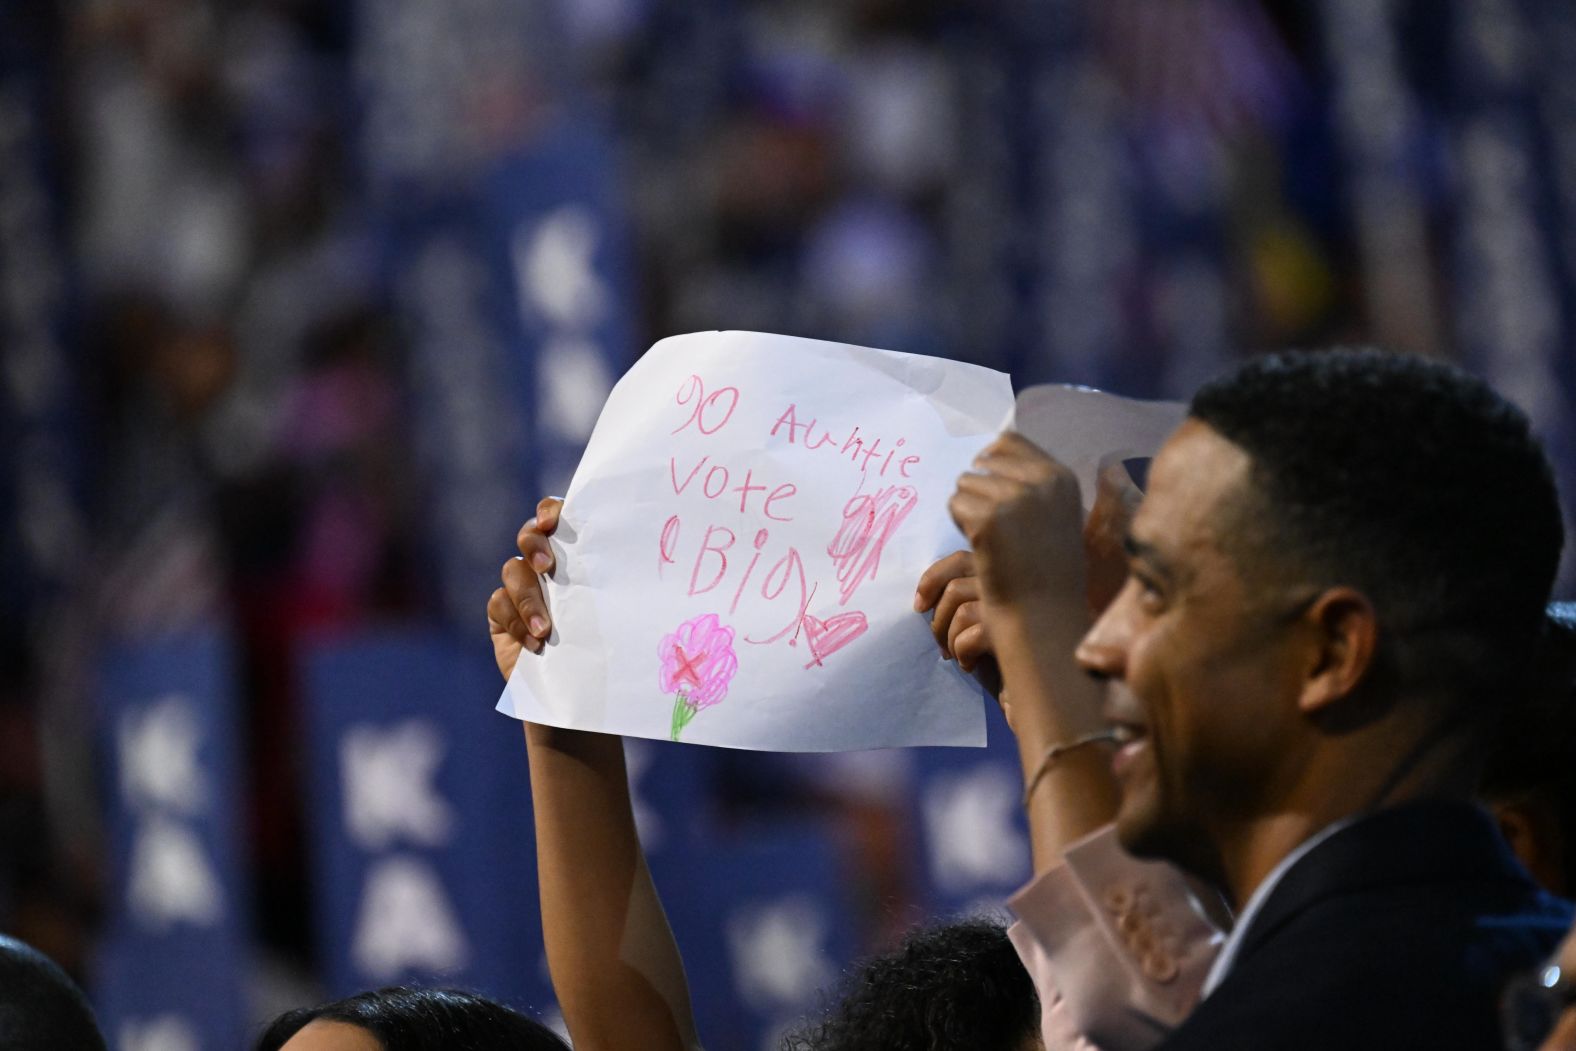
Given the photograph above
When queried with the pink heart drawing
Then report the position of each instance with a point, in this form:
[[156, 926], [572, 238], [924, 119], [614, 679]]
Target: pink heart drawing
[[826, 637]]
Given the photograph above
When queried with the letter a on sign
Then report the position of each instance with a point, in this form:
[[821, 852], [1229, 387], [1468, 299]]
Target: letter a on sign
[[406, 922]]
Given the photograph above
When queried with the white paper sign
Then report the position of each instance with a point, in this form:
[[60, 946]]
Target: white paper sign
[[1088, 429], [739, 548]]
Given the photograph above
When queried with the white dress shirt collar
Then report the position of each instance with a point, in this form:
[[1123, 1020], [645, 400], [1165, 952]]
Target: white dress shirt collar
[[1228, 952]]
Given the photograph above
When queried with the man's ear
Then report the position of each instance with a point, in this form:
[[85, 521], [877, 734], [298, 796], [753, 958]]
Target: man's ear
[[1343, 633]]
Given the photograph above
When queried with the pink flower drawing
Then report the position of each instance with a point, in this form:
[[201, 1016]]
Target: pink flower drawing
[[697, 663]]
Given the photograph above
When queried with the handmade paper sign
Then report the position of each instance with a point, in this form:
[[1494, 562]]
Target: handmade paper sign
[[740, 544], [1088, 429]]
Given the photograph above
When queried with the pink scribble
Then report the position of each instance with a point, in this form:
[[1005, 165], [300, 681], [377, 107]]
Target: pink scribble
[[869, 520], [697, 663]]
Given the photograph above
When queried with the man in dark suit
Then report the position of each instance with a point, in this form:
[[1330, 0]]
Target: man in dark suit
[[1337, 578]]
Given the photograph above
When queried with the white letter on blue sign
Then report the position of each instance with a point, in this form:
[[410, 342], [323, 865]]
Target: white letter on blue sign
[[405, 922], [387, 779]]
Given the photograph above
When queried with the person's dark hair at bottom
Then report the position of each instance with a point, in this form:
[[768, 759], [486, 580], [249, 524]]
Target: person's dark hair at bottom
[[1530, 776], [41, 1009], [946, 988], [407, 1019]]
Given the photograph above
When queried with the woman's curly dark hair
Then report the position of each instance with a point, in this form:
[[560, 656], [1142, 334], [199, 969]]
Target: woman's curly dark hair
[[407, 1019], [954, 987]]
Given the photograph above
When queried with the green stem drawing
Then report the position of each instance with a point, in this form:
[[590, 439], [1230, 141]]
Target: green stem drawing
[[683, 712]]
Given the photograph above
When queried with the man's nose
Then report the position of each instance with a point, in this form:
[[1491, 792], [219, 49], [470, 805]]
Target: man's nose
[[1102, 652]]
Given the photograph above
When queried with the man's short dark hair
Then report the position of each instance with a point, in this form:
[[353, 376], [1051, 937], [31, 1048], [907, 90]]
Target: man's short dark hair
[[1411, 481], [950, 987], [41, 1009]]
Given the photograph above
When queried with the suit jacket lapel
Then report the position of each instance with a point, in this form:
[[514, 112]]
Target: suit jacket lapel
[[1415, 844]]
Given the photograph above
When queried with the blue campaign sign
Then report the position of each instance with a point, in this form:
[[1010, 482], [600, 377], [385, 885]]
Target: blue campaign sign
[[41, 429], [554, 219], [170, 972], [670, 792], [1079, 158], [972, 835], [424, 859], [1512, 296], [765, 925], [519, 311], [471, 393]]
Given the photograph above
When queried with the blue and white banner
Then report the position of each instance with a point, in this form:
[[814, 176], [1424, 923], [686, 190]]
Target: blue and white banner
[[423, 856], [765, 926], [1513, 308], [553, 206], [1380, 131], [472, 391], [507, 262], [1084, 227], [972, 836], [1553, 30], [41, 466], [672, 792], [172, 966], [518, 307]]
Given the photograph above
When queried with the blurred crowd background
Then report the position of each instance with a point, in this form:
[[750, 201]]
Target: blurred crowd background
[[303, 303]]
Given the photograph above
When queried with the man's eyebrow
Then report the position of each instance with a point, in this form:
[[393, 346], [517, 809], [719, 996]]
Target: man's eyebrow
[[1136, 548]]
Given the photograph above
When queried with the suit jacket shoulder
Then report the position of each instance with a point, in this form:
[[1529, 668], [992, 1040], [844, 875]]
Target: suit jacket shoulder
[[1398, 931]]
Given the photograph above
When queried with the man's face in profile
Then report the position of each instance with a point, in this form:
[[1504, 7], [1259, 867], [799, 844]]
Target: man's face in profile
[[1197, 648]]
